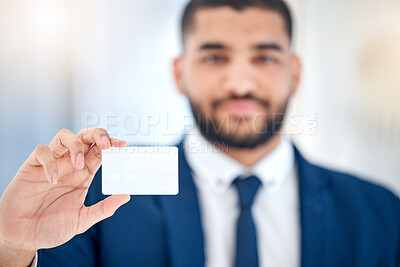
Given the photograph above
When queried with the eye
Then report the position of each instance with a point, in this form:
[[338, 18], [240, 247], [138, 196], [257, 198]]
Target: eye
[[265, 59], [214, 59]]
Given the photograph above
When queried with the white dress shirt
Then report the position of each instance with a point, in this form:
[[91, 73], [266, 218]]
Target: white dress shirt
[[275, 208]]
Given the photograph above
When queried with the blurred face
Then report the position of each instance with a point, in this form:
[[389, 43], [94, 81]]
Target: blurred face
[[238, 72]]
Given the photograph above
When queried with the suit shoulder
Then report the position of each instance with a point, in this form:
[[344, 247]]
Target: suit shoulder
[[344, 184], [359, 190]]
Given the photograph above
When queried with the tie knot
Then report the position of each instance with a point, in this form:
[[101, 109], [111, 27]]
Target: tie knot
[[247, 189]]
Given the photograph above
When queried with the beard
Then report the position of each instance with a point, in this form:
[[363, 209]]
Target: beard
[[213, 130]]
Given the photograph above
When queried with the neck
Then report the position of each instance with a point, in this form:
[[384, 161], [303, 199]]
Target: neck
[[249, 157]]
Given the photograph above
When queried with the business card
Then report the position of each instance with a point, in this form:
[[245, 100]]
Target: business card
[[140, 170]]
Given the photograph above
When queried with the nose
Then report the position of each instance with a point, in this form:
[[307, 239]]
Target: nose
[[239, 79]]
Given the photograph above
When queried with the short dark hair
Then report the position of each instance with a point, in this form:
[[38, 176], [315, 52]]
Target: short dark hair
[[278, 6]]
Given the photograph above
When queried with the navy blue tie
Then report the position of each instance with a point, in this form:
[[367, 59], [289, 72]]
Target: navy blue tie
[[246, 239]]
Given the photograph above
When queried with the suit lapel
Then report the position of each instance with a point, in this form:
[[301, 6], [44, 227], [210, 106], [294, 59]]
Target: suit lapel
[[183, 223], [184, 229], [314, 219]]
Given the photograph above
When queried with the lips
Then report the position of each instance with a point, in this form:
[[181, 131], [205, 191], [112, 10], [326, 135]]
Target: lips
[[240, 106]]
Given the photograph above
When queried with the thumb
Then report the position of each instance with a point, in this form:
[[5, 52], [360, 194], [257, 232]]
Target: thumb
[[100, 211]]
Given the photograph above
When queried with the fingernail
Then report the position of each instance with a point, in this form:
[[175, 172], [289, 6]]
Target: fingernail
[[80, 161], [105, 141], [54, 178]]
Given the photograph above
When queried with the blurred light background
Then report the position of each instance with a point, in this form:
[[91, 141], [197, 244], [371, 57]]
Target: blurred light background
[[78, 63]]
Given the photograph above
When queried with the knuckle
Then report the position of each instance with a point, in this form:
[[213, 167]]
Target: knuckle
[[64, 131], [42, 148], [83, 131], [101, 131]]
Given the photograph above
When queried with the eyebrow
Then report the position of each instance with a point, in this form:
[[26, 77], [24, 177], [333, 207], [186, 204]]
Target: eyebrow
[[212, 46], [267, 46], [261, 46]]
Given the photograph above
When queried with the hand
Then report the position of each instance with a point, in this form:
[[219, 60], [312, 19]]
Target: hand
[[43, 206]]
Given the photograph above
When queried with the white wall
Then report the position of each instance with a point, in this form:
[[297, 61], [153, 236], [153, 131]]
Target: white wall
[[34, 83], [351, 54], [123, 68]]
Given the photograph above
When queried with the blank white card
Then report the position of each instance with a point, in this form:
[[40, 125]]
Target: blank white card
[[140, 171]]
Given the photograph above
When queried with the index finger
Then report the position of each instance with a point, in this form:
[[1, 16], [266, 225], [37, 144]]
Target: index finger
[[98, 136], [65, 141]]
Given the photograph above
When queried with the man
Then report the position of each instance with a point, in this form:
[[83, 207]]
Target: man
[[247, 196]]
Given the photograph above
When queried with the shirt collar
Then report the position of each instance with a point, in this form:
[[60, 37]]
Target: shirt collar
[[219, 170]]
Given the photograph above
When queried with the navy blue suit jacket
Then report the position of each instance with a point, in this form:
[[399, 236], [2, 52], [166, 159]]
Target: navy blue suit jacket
[[344, 222]]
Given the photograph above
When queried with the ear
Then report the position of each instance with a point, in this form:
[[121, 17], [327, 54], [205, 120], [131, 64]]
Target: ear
[[296, 73], [178, 74]]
